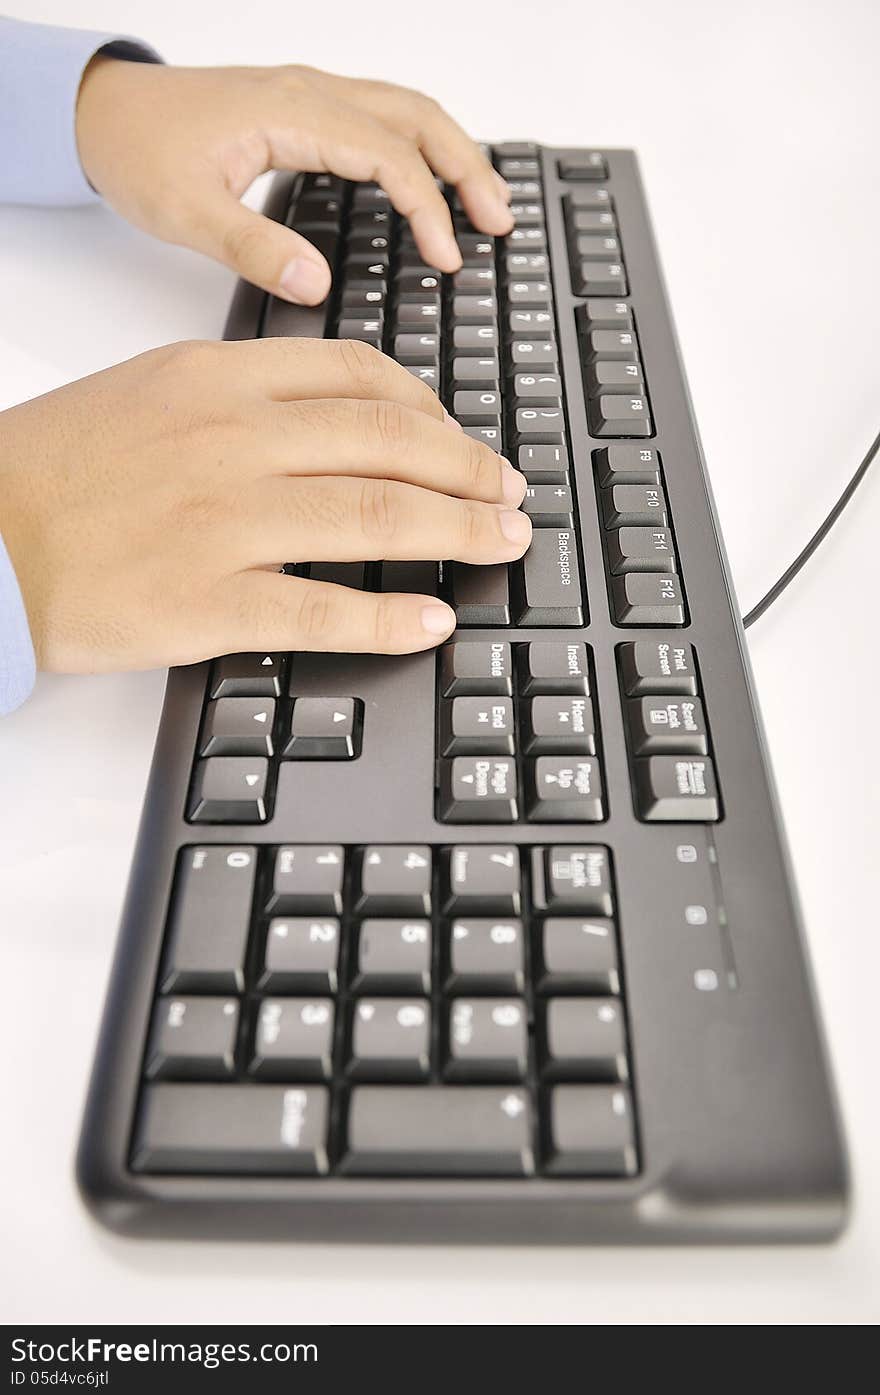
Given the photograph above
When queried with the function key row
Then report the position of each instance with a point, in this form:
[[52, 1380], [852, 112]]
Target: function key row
[[644, 577], [667, 733], [614, 378], [504, 745]]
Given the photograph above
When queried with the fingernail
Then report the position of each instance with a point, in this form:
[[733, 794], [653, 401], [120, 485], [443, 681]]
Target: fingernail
[[513, 484], [438, 619], [515, 526], [304, 281], [451, 421]]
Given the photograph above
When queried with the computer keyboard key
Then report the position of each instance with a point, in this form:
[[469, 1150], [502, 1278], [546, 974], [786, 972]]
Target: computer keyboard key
[[238, 727], [474, 280], [592, 221], [229, 789], [324, 729], [482, 668], [524, 188], [440, 1129], [415, 285], [534, 355], [544, 464], [393, 956], [549, 505], [474, 309], [589, 1132], [540, 425], [527, 239], [537, 389], [606, 375], [246, 675], [583, 1039], [530, 324], [563, 789], [667, 725], [474, 339], [301, 956], [609, 345], [640, 550], [519, 168], [410, 347], [390, 1039], [618, 414], [530, 295], [605, 314], [677, 789], [527, 215], [192, 1039], [359, 304], [427, 373], [598, 278], [598, 197], [595, 247], [486, 956], [658, 666], [415, 315], [473, 407], [625, 463], [232, 1129], [367, 331], [516, 150], [483, 879], [392, 879], [577, 956], [476, 726], [553, 666], [634, 506], [648, 598], [483, 373], [209, 921], [547, 582], [293, 1039], [559, 726], [582, 164], [527, 265], [487, 1039], [478, 789], [307, 879], [568, 878]]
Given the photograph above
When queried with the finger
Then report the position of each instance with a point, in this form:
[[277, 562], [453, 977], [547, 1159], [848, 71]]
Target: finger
[[383, 440], [275, 612], [354, 144], [364, 520], [295, 370], [448, 149], [264, 252]]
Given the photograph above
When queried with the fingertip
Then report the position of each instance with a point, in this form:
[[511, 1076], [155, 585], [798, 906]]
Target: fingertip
[[305, 281], [437, 620]]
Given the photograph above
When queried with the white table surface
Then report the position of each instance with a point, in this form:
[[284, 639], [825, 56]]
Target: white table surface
[[756, 125]]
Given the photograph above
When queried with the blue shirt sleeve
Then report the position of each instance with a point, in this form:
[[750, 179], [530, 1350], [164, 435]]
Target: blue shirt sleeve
[[40, 73]]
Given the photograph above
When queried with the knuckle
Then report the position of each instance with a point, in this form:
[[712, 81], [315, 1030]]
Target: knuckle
[[387, 425], [471, 525], [384, 629], [316, 615], [378, 512], [241, 243], [366, 366], [479, 473]]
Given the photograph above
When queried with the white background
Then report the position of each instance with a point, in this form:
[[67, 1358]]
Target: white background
[[757, 126]]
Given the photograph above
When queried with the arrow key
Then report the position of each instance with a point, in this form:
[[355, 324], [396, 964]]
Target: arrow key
[[325, 729], [238, 727], [229, 789]]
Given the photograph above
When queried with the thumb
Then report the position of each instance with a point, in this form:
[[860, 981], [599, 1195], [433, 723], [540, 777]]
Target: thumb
[[261, 250]]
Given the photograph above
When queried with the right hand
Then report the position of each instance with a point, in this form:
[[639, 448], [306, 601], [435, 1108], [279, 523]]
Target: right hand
[[147, 509]]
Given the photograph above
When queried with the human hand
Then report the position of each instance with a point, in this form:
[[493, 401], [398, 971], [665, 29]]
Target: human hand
[[147, 509], [173, 150]]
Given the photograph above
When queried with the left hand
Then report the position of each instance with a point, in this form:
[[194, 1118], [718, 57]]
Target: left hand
[[173, 150]]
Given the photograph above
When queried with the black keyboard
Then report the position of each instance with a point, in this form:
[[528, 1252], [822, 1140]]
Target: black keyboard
[[496, 942]]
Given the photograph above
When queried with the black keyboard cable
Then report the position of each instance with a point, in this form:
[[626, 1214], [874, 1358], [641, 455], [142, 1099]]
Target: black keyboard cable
[[822, 531]]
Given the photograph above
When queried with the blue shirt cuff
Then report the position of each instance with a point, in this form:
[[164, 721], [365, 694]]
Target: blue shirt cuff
[[40, 72], [18, 669]]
